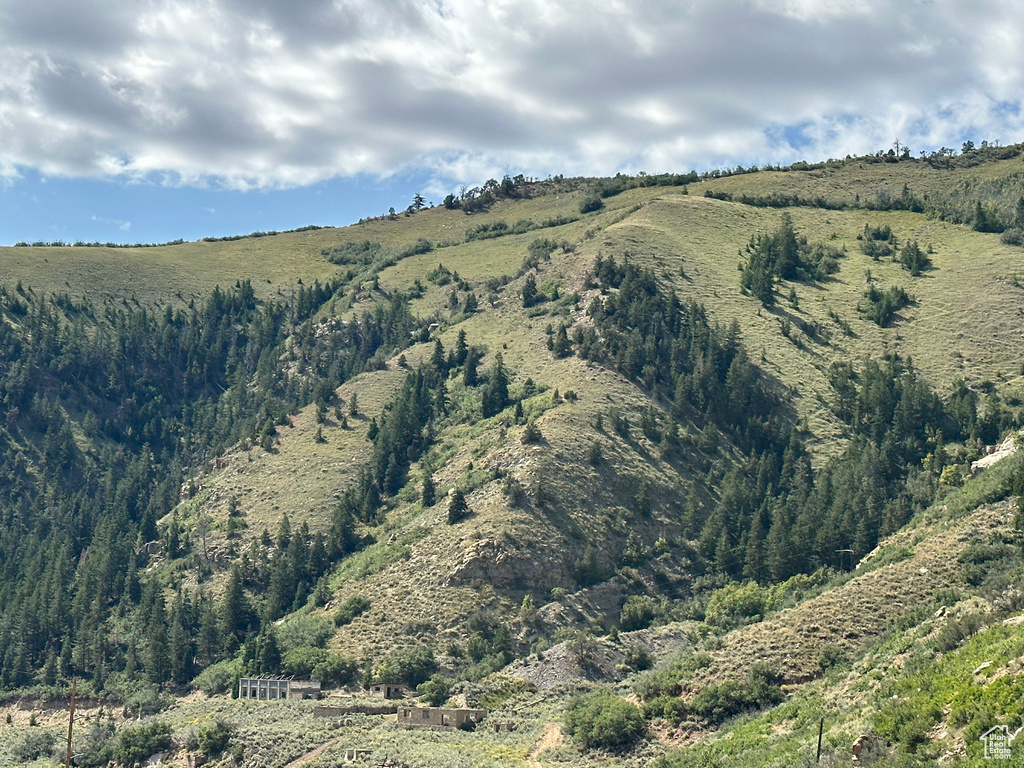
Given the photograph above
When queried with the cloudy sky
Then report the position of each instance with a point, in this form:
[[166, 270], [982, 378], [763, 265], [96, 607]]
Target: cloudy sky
[[158, 119]]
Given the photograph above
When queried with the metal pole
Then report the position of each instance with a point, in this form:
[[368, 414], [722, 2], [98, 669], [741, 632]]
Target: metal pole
[[71, 718], [821, 727]]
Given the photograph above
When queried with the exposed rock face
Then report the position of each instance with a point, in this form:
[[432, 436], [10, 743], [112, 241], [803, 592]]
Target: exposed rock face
[[999, 452], [497, 563], [866, 749]]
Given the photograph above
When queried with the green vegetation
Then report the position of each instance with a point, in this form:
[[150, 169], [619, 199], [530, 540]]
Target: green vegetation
[[246, 481], [784, 256], [880, 306], [136, 744], [602, 720]]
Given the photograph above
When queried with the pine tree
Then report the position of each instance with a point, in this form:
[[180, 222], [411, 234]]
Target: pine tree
[[235, 613], [428, 493], [495, 393], [457, 506], [529, 291], [470, 377]]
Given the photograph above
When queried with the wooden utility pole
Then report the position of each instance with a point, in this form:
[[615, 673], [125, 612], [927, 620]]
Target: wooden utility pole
[[71, 718], [842, 553], [821, 728]]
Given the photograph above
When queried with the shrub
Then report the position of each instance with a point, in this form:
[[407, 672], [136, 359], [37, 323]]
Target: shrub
[[880, 306], [408, 665], [586, 569], [913, 258], [457, 507], [213, 737], [350, 609], [829, 656], [318, 664], [736, 604], [218, 678], [539, 250], [637, 612], [718, 702], [531, 434], [336, 669], [637, 658], [603, 720], [435, 690], [34, 745], [591, 202], [136, 744], [440, 275], [307, 630], [671, 708], [1013, 236], [957, 631]]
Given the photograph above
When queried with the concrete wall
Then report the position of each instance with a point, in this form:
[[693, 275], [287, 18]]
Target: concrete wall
[[438, 717]]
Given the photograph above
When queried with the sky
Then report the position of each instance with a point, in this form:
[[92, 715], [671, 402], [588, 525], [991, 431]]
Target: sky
[[156, 120]]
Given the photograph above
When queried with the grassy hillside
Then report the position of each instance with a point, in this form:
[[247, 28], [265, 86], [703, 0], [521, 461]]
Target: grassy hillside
[[596, 522]]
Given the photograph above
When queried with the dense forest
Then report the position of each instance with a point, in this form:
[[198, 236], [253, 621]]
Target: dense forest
[[105, 411]]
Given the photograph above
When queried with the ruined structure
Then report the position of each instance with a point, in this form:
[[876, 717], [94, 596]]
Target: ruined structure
[[274, 688], [439, 717], [389, 691]]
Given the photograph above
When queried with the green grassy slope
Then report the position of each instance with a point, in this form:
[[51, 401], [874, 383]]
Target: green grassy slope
[[424, 578], [964, 324]]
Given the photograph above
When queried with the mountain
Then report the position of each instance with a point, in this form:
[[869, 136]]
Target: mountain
[[704, 442]]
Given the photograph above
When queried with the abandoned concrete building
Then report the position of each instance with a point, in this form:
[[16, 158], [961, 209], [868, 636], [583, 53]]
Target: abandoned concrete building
[[389, 691], [273, 688], [438, 717]]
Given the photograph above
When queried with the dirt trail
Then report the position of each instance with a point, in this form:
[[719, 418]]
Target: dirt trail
[[311, 754], [552, 738]]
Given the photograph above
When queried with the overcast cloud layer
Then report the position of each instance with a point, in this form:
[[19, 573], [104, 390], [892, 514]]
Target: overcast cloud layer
[[273, 93]]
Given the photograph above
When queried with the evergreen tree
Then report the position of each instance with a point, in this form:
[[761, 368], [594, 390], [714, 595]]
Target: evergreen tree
[[529, 291], [428, 493], [457, 506], [470, 377], [495, 393]]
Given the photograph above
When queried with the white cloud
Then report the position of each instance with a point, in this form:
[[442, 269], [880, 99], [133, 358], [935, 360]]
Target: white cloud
[[268, 93], [121, 224]]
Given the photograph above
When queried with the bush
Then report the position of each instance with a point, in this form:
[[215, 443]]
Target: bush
[[307, 630], [457, 507], [435, 690], [213, 737], [718, 702], [880, 306], [603, 720], [671, 708], [1013, 236], [957, 631], [736, 604], [136, 744], [34, 745], [637, 612], [591, 202], [829, 656], [531, 434], [637, 658], [913, 258], [218, 678], [350, 609], [335, 669], [440, 275], [408, 665]]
